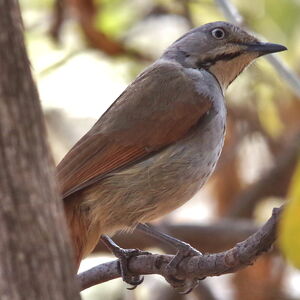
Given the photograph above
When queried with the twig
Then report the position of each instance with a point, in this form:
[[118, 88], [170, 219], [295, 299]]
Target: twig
[[232, 14], [60, 62], [238, 257]]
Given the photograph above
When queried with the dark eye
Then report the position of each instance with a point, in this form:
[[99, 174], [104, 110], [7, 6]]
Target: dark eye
[[218, 33]]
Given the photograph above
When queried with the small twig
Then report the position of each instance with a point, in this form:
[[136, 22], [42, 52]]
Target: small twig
[[60, 62], [238, 257], [232, 14]]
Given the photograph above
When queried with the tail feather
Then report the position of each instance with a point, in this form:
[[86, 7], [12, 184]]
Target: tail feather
[[84, 237]]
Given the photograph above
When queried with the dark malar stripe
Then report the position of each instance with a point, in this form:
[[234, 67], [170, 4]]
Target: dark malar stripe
[[224, 56]]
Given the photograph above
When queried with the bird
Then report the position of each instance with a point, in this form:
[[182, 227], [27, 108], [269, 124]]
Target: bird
[[159, 142]]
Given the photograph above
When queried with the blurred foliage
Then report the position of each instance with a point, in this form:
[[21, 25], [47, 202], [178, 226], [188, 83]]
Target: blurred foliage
[[116, 16], [272, 123], [289, 231]]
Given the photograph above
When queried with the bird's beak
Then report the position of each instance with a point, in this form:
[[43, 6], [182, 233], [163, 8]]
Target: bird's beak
[[264, 48]]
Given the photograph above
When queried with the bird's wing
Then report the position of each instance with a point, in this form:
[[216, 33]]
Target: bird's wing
[[157, 109]]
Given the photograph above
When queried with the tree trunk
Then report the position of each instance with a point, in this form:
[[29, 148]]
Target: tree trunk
[[35, 256]]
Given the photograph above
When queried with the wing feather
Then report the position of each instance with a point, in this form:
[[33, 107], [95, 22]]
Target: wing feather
[[157, 109]]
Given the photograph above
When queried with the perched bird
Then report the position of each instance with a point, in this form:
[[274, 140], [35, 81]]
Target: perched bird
[[159, 142]]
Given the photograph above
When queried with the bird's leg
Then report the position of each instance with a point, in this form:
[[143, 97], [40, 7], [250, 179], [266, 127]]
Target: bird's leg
[[124, 256], [184, 286]]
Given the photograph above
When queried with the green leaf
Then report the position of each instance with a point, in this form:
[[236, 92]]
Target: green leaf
[[289, 227]]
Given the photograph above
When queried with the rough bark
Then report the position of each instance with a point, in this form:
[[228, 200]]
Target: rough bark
[[35, 256]]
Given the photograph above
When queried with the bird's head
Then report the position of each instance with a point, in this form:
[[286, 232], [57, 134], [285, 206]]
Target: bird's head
[[221, 48]]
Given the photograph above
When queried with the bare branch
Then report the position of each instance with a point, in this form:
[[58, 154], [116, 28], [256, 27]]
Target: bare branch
[[238, 257]]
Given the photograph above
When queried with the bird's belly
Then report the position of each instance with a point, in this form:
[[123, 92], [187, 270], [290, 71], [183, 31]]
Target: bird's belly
[[185, 167], [161, 183]]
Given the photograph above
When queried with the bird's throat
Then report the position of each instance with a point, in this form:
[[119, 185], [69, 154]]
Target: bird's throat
[[225, 71]]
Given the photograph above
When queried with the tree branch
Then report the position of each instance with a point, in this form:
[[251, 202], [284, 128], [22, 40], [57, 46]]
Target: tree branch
[[238, 257]]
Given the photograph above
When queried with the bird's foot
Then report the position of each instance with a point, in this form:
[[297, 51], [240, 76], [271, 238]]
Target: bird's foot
[[124, 255], [180, 284]]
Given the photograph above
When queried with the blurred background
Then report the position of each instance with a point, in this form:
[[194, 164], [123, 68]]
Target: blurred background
[[85, 52]]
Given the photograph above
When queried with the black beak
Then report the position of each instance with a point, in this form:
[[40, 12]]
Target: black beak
[[265, 48]]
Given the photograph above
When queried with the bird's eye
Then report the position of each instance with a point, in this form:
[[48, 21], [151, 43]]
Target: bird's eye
[[218, 33]]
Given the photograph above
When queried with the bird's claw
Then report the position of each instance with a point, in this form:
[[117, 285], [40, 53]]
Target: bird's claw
[[124, 255], [134, 281], [181, 285]]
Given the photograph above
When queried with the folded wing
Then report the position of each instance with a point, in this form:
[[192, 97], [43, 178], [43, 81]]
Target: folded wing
[[159, 108]]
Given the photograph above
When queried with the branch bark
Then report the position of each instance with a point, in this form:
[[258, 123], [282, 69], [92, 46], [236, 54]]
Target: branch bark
[[238, 257], [35, 255]]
